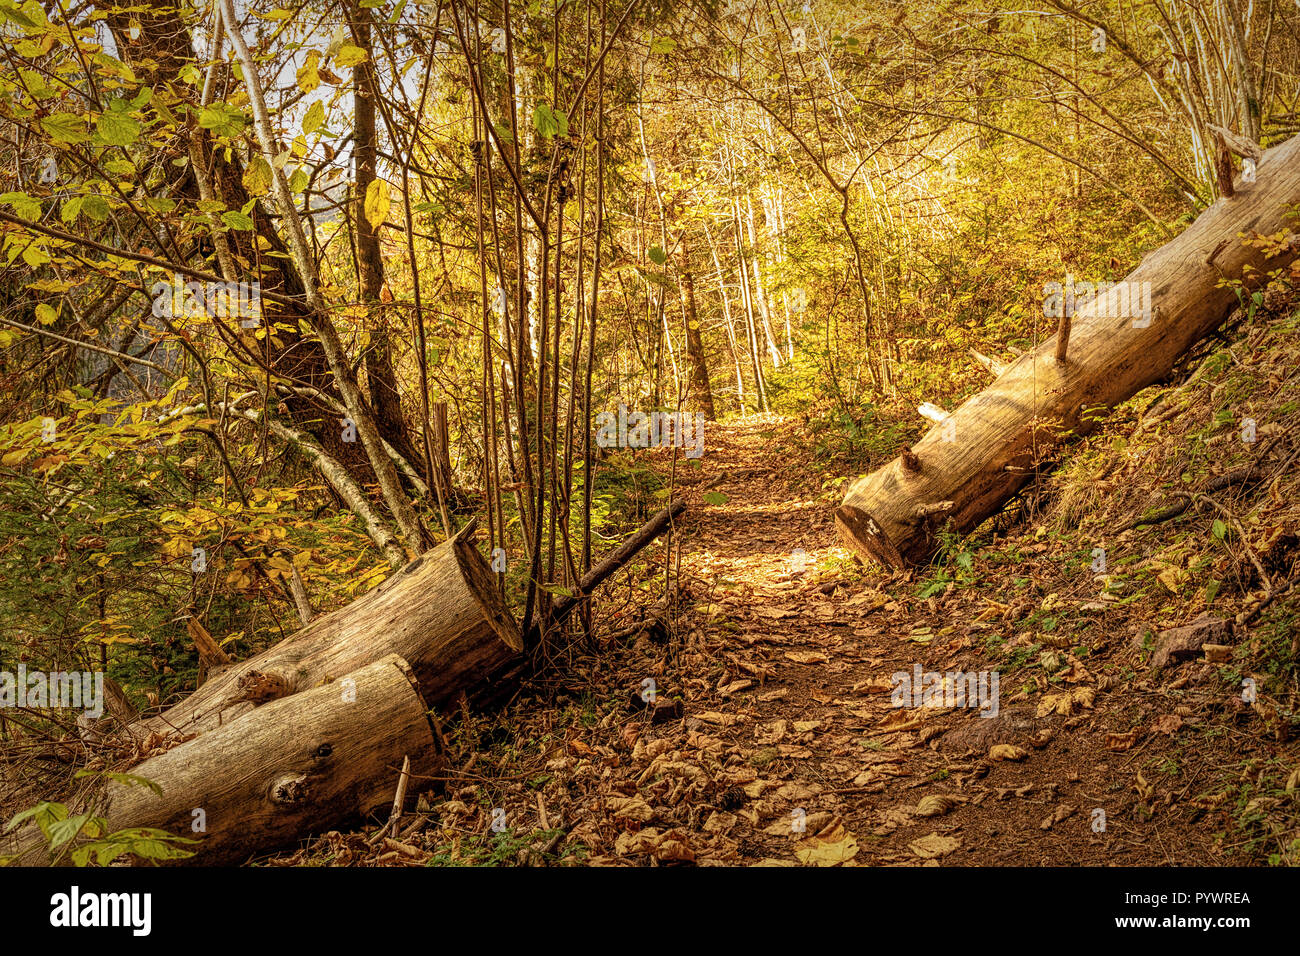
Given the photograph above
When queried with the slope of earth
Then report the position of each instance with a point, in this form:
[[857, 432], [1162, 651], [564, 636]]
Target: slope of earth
[[1146, 672]]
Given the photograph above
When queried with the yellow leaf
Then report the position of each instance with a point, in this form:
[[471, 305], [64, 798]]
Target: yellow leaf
[[349, 55], [934, 846], [377, 202], [308, 76], [1007, 752], [831, 847], [257, 177]]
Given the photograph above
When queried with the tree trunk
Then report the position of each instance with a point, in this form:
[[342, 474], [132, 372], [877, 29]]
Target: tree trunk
[[158, 53], [694, 341], [323, 758], [381, 378], [967, 466], [442, 613]]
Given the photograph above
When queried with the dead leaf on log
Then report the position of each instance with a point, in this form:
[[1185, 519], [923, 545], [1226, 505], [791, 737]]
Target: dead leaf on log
[[1065, 704], [1062, 812], [833, 846]]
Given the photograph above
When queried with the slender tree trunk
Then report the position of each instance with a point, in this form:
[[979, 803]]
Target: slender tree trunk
[[694, 341], [381, 379]]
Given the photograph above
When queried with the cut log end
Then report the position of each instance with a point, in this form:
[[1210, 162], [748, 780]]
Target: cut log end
[[862, 534], [482, 582], [321, 759]]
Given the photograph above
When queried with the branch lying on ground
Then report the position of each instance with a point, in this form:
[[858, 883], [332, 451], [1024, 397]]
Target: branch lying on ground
[[1184, 499], [624, 553]]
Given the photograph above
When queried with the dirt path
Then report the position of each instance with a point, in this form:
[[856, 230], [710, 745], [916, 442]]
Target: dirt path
[[772, 738], [785, 674]]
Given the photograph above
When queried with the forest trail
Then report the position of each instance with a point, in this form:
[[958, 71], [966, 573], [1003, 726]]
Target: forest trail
[[785, 671]]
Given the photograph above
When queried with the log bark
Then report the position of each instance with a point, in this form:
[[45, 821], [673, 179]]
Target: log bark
[[320, 759], [442, 613], [987, 449]]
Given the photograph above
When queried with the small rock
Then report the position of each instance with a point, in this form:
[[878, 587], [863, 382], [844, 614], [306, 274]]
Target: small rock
[[1183, 643]]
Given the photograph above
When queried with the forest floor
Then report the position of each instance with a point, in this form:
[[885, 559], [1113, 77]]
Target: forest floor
[[773, 739], [785, 682]]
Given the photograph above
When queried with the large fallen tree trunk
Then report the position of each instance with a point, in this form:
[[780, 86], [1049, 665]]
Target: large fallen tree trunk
[[322, 758], [966, 467], [442, 613]]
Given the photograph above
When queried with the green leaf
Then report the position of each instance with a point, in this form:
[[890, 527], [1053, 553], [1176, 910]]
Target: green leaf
[[151, 843], [24, 205], [46, 315], [222, 119], [81, 855], [549, 122], [308, 74], [236, 220], [1218, 529], [117, 129], [377, 202], [96, 207], [45, 814], [72, 209], [258, 176], [14, 15], [66, 128], [35, 255], [715, 498], [35, 84], [125, 779], [658, 256], [64, 830]]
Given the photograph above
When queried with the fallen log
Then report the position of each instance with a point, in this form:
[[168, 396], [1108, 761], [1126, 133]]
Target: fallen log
[[442, 613], [309, 763], [1120, 342]]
